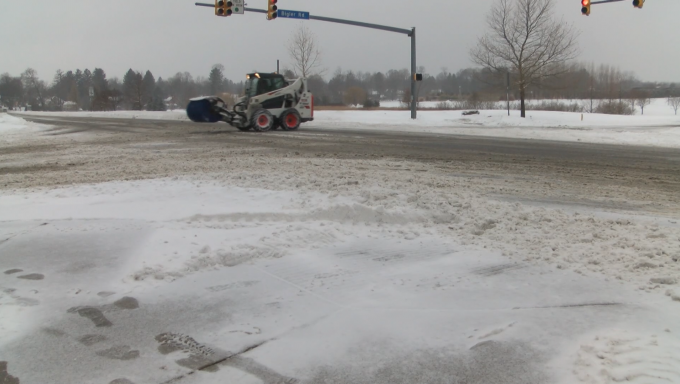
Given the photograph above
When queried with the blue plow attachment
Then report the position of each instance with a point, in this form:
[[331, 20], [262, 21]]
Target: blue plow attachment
[[201, 110]]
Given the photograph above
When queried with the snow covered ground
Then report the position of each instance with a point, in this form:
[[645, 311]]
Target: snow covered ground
[[657, 107], [339, 271], [658, 127], [328, 281], [10, 123], [541, 125]]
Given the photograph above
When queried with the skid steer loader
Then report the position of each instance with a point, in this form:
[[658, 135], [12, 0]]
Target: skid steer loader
[[270, 101]]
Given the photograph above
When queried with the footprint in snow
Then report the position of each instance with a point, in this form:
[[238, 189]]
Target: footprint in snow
[[32, 276]]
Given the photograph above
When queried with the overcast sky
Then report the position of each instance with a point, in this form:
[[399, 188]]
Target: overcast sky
[[169, 36]]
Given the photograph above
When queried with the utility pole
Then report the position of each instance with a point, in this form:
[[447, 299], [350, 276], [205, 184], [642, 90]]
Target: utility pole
[[585, 4]]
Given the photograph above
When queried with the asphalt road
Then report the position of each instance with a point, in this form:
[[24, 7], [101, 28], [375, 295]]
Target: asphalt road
[[423, 146], [614, 176]]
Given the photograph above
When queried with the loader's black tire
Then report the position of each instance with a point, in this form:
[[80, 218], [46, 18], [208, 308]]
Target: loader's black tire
[[244, 129], [290, 120], [262, 120]]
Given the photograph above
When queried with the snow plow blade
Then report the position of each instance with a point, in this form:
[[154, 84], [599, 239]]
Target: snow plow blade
[[201, 110]]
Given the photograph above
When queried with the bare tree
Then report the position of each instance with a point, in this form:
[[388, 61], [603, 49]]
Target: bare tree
[[36, 88], [642, 102], [304, 52], [525, 38], [674, 102], [641, 99]]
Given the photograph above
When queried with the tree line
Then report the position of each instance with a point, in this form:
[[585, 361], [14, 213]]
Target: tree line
[[87, 90], [93, 90], [575, 81]]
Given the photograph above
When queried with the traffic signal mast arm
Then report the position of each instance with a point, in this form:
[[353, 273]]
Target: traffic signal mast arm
[[585, 4], [616, 1], [409, 32]]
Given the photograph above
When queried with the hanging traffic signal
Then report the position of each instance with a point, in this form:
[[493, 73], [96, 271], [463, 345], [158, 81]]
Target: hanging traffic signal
[[271, 9], [585, 10], [638, 3], [223, 7]]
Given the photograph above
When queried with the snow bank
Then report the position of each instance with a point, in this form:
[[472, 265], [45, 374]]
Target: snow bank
[[400, 205], [625, 248], [11, 123], [13, 129]]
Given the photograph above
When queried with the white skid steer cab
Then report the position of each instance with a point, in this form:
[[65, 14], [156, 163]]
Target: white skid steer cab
[[270, 102]]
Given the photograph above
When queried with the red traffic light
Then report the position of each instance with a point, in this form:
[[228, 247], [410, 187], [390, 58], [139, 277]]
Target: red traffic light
[[585, 10], [271, 12]]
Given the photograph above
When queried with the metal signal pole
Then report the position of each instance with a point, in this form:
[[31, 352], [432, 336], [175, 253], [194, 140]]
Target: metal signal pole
[[409, 32], [414, 101]]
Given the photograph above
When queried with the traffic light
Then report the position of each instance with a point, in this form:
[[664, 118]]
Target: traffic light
[[585, 10], [223, 7], [271, 9], [638, 3]]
